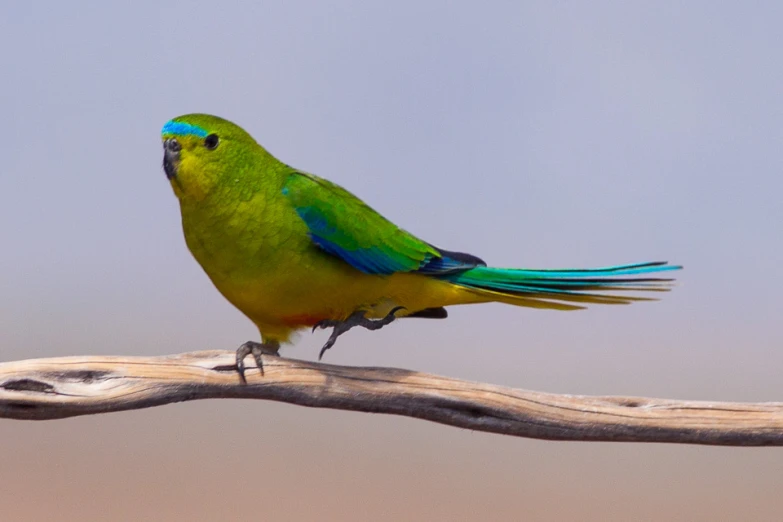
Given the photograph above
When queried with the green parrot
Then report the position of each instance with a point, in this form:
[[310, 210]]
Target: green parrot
[[292, 250]]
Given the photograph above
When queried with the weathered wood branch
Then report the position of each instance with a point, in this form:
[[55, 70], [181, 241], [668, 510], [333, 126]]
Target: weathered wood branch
[[68, 386]]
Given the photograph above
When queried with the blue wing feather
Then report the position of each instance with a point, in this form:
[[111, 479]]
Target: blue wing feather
[[370, 243]]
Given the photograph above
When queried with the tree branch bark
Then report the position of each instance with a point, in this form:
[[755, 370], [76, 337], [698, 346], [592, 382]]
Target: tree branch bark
[[62, 387]]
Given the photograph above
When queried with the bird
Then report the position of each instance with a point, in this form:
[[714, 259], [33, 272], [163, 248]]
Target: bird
[[292, 250]]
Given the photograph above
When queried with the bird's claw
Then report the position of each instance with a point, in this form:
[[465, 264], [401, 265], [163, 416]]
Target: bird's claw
[[325, 323], [256, 350], [355, 319]]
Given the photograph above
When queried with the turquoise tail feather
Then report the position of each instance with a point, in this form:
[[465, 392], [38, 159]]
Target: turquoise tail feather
[[550, 288]]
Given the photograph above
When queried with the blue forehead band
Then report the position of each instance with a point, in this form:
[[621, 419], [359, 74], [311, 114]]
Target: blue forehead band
[[180, 128]]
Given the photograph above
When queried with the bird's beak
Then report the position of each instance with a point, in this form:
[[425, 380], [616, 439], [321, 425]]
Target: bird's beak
[[171, 149]]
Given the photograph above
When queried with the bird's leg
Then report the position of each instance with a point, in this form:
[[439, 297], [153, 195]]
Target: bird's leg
[[256, 350], [355, 319]]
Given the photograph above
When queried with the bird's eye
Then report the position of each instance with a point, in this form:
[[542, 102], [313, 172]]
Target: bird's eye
[[211, 141]]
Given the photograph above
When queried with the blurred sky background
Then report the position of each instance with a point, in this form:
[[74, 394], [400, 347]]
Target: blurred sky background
[[536, 134]]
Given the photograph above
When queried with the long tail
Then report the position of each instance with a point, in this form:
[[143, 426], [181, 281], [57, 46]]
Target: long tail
[[559, 288]]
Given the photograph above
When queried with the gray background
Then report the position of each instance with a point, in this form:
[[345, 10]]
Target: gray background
[[536, 134]]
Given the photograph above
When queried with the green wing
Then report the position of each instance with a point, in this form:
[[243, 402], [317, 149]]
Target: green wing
[[346, 227]]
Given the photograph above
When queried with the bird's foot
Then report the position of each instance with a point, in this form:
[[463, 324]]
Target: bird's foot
[[355, 319], [256, 350]]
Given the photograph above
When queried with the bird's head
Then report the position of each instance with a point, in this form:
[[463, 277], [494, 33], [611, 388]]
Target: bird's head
[[201, 151]]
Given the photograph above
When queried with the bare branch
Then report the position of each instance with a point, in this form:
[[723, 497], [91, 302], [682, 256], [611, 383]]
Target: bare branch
[[68, 386]]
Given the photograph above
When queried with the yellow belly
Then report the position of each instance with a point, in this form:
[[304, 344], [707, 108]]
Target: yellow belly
[[286, 298]]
